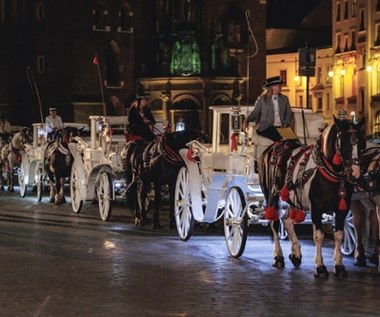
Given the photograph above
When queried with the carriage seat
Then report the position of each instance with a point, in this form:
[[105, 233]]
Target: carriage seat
[[314, 124], [259, 142]]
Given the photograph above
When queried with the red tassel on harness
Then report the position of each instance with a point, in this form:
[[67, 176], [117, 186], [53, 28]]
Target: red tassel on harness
[[271, 213], [284, 194], [190, 156], [337, 159], [233, 142], [342, 204]]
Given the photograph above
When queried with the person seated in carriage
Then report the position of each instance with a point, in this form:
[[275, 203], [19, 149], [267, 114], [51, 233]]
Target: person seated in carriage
[[271, 111], [141, 120], [54, 124]]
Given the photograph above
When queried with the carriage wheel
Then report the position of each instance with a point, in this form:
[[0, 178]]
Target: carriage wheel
[[104, 196], [21, 181], [235, 222], [76, 202], [40, 184], [182, 205], [349, 239]]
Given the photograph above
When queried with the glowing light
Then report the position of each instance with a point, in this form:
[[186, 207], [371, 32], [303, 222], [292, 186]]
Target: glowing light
[[343, 72], [296, 78], [369, 68], [331, 74], [109, 245]]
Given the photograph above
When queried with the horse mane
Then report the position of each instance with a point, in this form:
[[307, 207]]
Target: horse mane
[[177, 140]]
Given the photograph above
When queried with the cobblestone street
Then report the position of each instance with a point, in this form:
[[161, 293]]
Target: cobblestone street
[[57, 263]]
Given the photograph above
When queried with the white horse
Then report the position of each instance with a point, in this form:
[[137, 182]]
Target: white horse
[[11, 155]]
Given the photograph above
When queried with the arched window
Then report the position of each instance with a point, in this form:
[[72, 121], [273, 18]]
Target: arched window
[[125, 18], [100, 18]]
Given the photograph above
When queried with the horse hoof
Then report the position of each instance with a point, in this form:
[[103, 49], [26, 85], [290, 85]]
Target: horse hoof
[[321, 272], [279, 262], [51, 200], [137, 222], [360, 261], [296, 261], [340, 271]]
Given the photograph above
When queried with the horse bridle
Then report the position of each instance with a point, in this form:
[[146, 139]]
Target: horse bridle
[[354, 140]]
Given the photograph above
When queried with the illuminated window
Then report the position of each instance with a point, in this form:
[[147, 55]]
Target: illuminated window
[[185, 57]]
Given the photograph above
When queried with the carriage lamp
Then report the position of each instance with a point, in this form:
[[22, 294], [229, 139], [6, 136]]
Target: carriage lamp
[[353, 117], [41, 133], [180, 126]]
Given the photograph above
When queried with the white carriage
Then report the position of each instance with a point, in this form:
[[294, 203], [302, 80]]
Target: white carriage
[[32, 160], [32, 171], [222, 181], [97, 172]]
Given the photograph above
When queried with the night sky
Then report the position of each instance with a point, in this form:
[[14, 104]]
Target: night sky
[[288, 13]]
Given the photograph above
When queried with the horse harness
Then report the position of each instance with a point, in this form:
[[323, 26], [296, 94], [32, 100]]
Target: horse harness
[[159, 148], [58, 146], [298, 163]]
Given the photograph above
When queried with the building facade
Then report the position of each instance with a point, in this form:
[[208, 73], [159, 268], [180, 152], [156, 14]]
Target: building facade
[[347, 74], [91, 57]]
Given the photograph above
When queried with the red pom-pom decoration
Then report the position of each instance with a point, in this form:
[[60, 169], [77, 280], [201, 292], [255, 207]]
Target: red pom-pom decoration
[[292, 213], [300, 216], [284, 193], [337, 159], [271, 213]]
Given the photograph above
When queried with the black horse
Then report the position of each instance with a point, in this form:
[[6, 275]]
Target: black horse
[[318, 178], [154, 163], [58, 162]]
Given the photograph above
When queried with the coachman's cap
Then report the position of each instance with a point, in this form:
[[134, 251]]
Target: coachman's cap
[[272, 81], [52, 109]]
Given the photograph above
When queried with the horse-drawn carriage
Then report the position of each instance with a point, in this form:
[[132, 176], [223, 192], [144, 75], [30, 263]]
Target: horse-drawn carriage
[[223, 181], [32, 172], [97, 172], [32, 160]]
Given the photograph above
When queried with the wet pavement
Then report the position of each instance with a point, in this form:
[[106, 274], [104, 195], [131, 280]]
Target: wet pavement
[[57, 263]]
